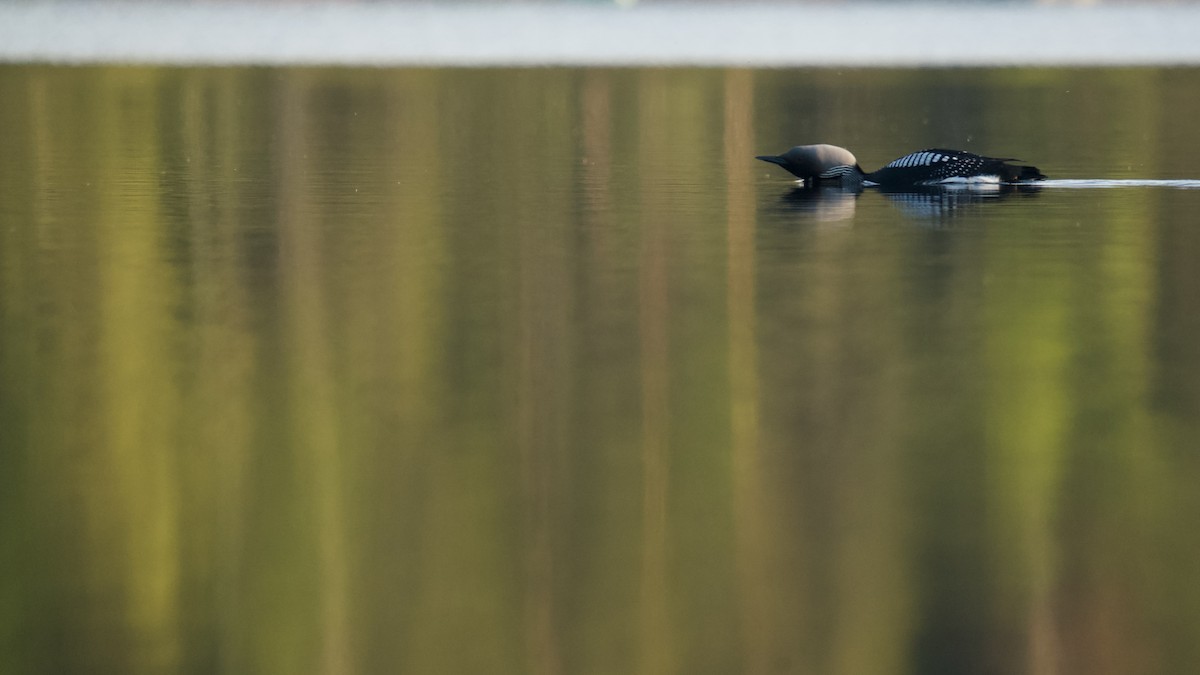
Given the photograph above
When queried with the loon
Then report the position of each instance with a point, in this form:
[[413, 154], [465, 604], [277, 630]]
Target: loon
[[934, 166]]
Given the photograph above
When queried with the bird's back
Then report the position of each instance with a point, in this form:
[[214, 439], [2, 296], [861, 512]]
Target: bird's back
[[941, 165]]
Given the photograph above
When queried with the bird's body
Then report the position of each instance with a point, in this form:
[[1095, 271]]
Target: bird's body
[[934, 166]]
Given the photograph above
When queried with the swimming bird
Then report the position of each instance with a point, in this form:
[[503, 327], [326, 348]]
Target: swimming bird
[[814, 164]]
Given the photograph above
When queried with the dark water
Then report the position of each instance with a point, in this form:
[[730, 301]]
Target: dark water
[[538, 371]]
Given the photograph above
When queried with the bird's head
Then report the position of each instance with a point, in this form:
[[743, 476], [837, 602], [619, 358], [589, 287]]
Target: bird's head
[[813, 162]]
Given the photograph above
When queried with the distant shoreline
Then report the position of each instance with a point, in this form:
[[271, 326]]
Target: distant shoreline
[[766, 35]]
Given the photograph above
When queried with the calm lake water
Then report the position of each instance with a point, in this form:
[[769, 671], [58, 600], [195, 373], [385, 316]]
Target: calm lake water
[[538, 371]]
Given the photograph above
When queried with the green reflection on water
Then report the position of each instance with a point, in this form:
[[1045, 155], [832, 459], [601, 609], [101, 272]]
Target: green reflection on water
[[538, 371]]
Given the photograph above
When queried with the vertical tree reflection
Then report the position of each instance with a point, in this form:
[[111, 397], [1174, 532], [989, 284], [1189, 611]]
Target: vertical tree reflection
[[324, 370]]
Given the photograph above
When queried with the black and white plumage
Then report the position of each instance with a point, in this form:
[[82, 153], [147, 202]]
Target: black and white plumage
[[933, 166]]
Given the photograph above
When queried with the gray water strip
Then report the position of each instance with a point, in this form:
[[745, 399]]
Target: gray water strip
[[867, 34], [1100, 183]]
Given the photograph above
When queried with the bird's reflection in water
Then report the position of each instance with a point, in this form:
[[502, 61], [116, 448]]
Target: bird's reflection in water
[[940, 202], [822, 204], [831, 204]]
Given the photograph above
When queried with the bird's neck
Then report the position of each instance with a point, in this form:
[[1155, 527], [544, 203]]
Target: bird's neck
[[845, 174]]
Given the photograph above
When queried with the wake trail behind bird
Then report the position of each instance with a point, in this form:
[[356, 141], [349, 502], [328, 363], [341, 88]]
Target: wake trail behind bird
[[1182, 184]]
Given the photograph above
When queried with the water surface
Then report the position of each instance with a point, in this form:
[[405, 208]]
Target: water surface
[[539, 371]]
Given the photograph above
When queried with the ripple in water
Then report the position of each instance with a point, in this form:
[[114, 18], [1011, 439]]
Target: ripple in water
[[1183, 184]]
